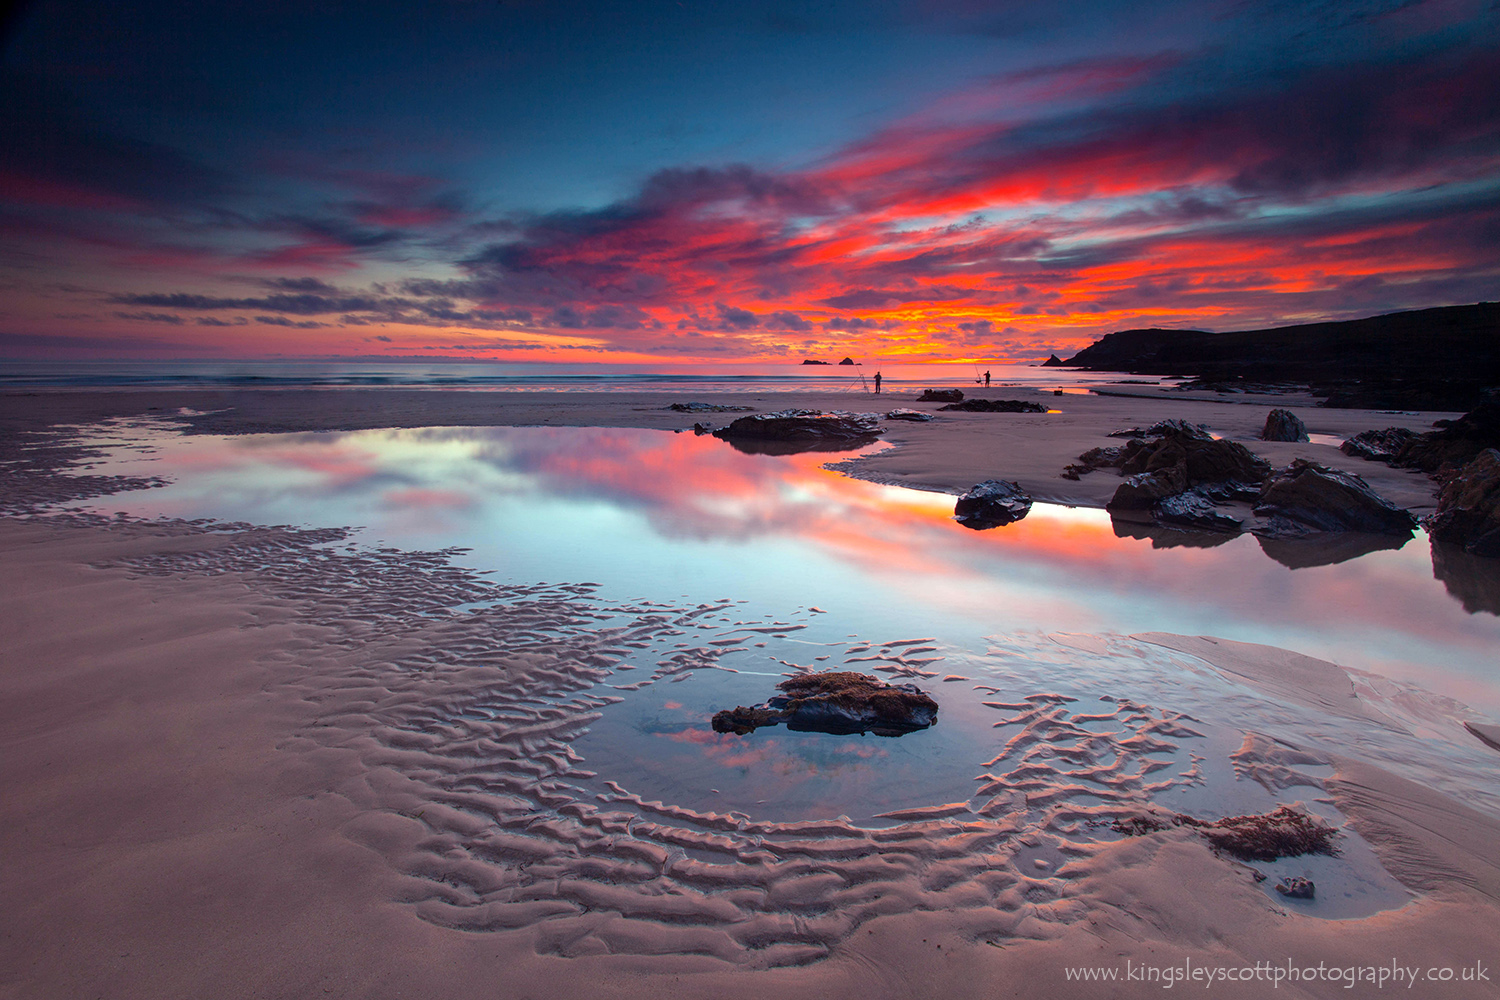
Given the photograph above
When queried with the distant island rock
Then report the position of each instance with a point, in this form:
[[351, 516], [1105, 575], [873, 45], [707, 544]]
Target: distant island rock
[[810, 361], [1053, 362], [847, 361]]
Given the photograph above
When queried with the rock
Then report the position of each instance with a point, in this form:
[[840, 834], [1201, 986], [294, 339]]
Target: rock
[[1166, 428], [1296, 887], [701, 429], [1139, 494], [802, 425], [1203, 460], [1379, 446], [836, 702], [1468, 508], [1306, 496], [905, 414], [847, 361], [991, 504], [709, 408], [1103, 458], [809, 361], [996, 406], [1283, 425], [1457, 444], [941, 396], [1053, 362], [1191, 510]]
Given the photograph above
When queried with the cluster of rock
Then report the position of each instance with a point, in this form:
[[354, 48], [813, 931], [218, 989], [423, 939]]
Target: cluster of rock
[[991, 504], [1462, 455], [905, 413], [1178, 475], [843, 701], [995, 406]]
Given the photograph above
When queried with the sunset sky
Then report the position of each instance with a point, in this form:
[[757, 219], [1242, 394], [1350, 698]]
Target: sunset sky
[[643, 182]]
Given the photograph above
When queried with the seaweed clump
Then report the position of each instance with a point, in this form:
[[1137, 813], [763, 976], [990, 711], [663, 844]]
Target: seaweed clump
[[839, 701], [1282, 833]]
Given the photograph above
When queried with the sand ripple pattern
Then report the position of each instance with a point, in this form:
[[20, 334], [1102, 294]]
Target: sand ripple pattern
[[460, 699]]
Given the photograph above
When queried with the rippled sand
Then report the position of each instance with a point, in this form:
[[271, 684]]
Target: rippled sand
[[256, 761]]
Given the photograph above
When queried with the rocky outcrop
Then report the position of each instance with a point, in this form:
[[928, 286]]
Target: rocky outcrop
[[836, 702], [1193, 510], [991, 504], [1379, 446], [917, 416], [1455, 443], [1164, 427], [1306, 496], [1162, 470], [1053, 362], [847, 361], [1468, 508], [1283, 425], [810, 361], [996, 406], [941, 396], [804, 425]]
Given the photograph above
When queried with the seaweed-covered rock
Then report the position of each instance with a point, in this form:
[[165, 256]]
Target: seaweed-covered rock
[[843, 701], [1468, 509], [1306, 496], [1379, 446], [1283, 425], [991, 504], [902, 413], [996, 406], [941, 396], [803, 425]]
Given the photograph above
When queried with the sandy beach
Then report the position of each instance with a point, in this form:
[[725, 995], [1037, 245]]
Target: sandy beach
[[237, 760]]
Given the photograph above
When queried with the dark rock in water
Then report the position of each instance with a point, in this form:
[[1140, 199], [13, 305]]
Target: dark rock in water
[[905, 414], [1322, 548], [1379, 446], [1137, 496], [701, 429], [1191, 510], [709, 408], [804, 425], [842, 701], [996, 406], [809, 361], [941, 396], [1053, 362], [1283, 425], [1202, 460], [847, 361], [1296, 887], [1306, 496], [1468, 508], [991, 504], [1457, 444], [1473, 581]]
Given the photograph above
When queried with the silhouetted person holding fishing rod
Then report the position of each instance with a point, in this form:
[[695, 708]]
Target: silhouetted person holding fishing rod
[[877, 381]]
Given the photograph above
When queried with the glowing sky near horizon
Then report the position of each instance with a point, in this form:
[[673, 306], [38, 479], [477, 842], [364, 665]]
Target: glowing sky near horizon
[[678, 182]]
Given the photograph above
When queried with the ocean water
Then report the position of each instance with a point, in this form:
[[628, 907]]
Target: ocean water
[[525, 377]]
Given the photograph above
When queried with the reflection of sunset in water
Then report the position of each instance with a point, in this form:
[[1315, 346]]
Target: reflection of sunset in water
[[646, 512]]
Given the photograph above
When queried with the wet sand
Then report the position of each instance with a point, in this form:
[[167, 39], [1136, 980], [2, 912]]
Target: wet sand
[[240, 761]]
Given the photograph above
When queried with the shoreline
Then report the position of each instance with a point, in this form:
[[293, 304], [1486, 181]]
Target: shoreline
[[248, 809]]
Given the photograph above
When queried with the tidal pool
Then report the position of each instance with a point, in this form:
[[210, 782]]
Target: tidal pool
[[1016, 631]]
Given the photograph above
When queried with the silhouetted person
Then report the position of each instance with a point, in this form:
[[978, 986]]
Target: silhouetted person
[[877, 381], [986, 380]]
